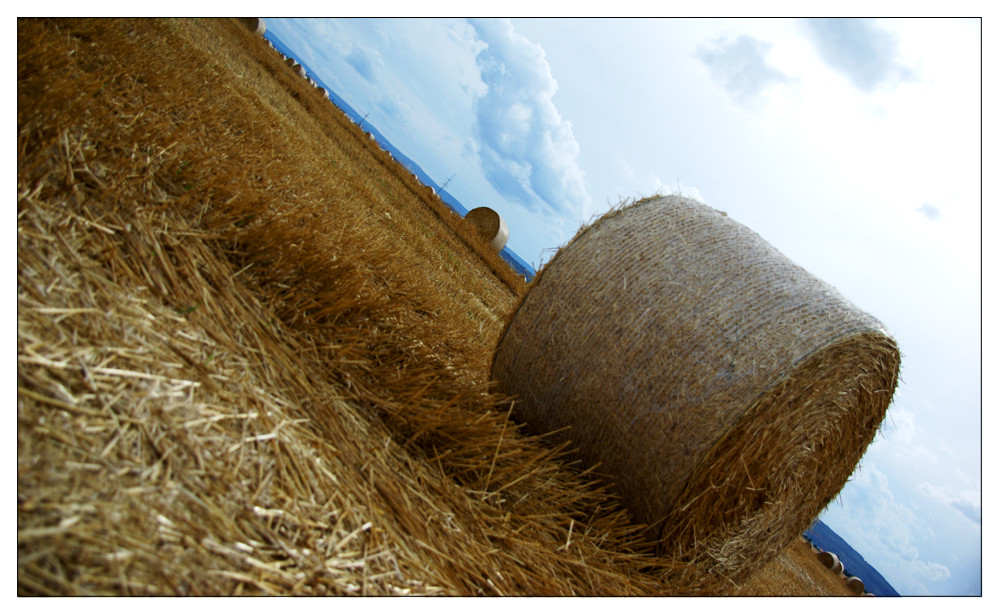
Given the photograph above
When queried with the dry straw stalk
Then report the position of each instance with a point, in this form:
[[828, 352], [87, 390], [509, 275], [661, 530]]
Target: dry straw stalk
[[728, 393], [232, 378]]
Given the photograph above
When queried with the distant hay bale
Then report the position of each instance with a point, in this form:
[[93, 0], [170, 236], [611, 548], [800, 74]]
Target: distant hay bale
[[254, 24], [727, 392], [869, 594], [290, 62], [838, 568], [828, 559], [490, 226], [856, 585], [301, 71]]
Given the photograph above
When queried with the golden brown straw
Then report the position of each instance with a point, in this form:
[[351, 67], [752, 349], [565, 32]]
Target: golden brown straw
[[490, 225], [728, 393]]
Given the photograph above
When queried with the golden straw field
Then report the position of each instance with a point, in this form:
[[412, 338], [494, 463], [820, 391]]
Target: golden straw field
[[253, 352]]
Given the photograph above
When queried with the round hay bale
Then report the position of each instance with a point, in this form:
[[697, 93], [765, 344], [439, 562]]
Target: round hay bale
[[727, 392], [290, 62], [838, 568], [490, 226], [301, 71], [254, 24], [828, 559], [856, 585], [869, 594]]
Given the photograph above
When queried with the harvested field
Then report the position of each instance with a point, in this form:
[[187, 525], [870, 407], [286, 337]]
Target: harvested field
[[795, 572], [253, 351]]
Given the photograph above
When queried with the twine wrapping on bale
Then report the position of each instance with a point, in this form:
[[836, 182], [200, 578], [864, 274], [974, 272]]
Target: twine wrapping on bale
[[856, 585], [728, 393], [828, 559], [490, 226]]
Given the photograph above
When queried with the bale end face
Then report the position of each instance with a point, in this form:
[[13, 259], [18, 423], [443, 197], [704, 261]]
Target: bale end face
[[827, 559], [490, 226], [856, 585]]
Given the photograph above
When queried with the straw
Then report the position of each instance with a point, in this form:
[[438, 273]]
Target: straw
[[728, 393]]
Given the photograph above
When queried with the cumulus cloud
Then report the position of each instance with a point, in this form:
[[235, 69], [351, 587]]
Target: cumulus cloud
[[527, 150], [930, 212], [859, 49], [365, 61], [966, 502], [885, 532], [741, 67]]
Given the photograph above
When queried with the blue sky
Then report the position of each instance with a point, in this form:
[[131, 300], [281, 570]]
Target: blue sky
[[853, 146]]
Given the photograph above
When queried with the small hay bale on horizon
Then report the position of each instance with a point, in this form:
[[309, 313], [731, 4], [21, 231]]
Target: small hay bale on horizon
[[727, 393], [828, 559], [856, 585], [490, 226], [254, 24]]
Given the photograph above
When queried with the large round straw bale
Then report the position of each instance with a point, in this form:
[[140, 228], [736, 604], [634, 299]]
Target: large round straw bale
[[838, 568], [290, 62], [490, 226], [856, 585], [727, 392], [828, 559], [301, 71]]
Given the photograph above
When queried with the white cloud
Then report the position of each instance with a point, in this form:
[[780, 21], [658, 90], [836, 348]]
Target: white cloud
[[900, 425], [366, 61], [741, 67], [527, 149], [966, 501], [885, 531], [929, 211], [859, 49]]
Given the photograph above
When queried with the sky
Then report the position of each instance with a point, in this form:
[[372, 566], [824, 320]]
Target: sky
[[853, 146]]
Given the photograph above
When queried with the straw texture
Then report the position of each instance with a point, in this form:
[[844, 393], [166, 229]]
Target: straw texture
[[728, 393], [490, 225]]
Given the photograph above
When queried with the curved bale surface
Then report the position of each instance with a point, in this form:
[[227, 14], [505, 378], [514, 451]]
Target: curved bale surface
[[856, 585], [828, 559], [254, 24], [728, 393], [490, 225]]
